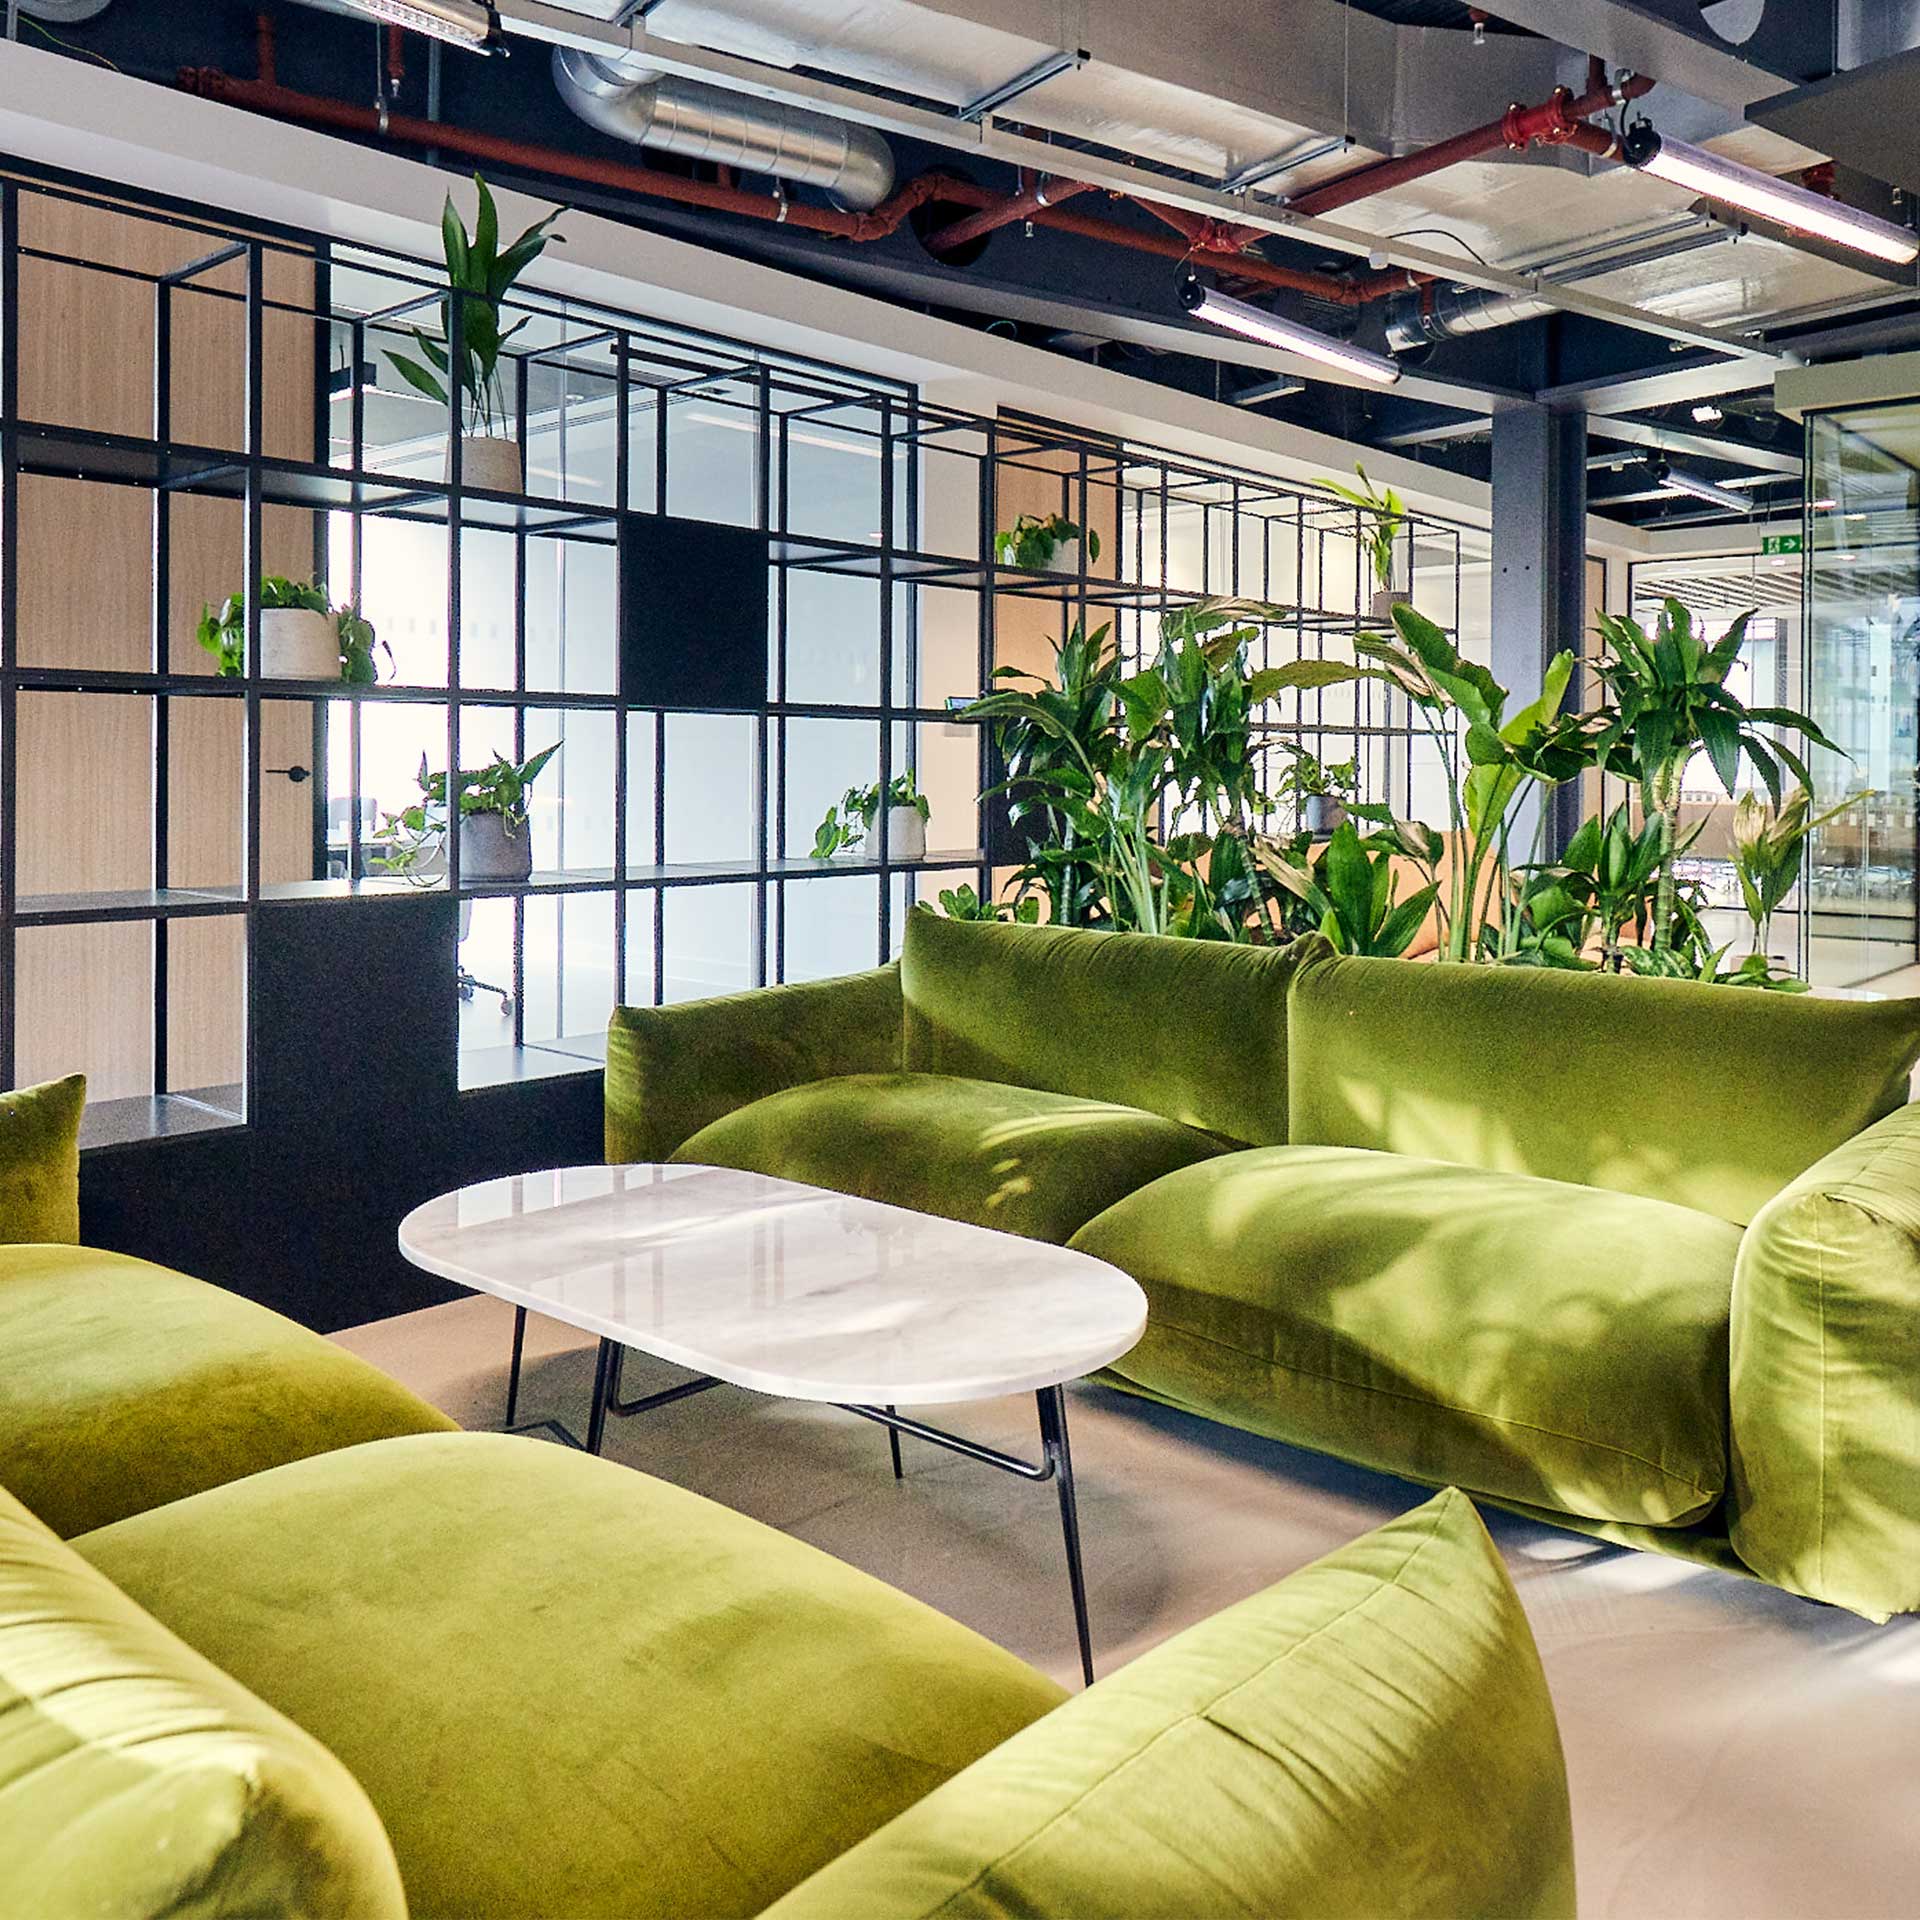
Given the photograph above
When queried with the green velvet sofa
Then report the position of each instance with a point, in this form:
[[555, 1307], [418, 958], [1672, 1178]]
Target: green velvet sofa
[[284, 1668], [1634, 1256]]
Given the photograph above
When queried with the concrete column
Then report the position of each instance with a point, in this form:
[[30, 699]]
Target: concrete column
[[1539, 564]]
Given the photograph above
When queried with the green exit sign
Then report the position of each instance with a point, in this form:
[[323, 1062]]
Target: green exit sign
[[1783, 543]]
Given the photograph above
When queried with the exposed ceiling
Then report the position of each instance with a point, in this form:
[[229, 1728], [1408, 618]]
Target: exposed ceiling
[[1211, 129]]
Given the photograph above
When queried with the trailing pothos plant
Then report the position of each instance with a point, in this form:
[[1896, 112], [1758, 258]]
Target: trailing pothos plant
[[1032, 542], [415, 834], [851, 818], [480, 274], [223, 629]]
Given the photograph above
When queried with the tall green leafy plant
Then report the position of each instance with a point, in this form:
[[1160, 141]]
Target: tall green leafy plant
[[1671, 701], [480, 275], [1350, 891], [1769, 846]]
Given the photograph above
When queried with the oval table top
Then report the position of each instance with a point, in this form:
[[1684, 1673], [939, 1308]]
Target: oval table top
[[783, 1288]]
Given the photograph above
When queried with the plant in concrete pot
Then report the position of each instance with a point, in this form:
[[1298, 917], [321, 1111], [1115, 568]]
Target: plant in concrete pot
[[1382, 515], [303, 636], [480, 274], [850, 821], [1049, 545], [1319, 790], [496, 834]]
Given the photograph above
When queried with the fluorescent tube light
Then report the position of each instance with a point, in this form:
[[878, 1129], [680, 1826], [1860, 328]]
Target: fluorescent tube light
[[1706, 413], [1786, 205], [464, 23], [1679, 480], [1255, 323]]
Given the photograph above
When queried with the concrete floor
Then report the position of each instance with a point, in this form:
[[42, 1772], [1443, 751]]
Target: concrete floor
[[1733, 1752]]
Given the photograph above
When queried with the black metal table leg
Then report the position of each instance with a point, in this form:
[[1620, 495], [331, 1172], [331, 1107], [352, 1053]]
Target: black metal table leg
[[513, 1372], [602, 1393], [1053, 1439], [893, 1440]]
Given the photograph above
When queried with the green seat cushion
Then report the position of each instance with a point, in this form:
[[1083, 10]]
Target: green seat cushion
[[1371, 1737], [40, 1161], [1195, 1030], [124, 1385], [1826, 1378], [1026, 1162], [571, 1690], [1550, 1344], [138, 1781], [1713, 1100]]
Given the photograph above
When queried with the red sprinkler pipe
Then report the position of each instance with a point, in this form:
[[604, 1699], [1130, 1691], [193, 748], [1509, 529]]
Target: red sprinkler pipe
[[1559, 121], [1026, 205]]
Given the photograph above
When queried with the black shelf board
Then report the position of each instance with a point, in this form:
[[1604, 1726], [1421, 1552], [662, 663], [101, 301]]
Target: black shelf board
[[130, 903], [159, 1116]]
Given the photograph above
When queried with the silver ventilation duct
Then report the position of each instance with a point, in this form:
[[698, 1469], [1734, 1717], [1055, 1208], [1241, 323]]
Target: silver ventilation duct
[[853, 165]]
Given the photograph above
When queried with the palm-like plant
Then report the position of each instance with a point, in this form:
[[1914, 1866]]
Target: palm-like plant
[[1671, 700], [479, 276], [1769, 840], [1383, 514]]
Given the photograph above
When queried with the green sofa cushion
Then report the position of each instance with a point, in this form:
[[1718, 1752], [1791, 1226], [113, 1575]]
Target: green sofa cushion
[[40, 1162], [1026, 1162], [1372, 1736], [1826, 1378], [138, 1782], [569, 1689], [671, 1070], [1555, 1345], [1713, 1100], [124, 1385], [1192, 1029]]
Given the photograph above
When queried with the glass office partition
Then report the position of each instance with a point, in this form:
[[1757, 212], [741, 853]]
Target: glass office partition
[[1863, 685]]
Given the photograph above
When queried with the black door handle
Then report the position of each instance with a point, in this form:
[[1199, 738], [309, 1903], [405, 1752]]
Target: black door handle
[[295, 774]]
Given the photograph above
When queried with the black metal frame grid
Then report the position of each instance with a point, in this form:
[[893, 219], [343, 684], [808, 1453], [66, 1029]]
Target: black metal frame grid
[[1254, 536]]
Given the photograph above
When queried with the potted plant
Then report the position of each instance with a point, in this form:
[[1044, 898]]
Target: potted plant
[[1382, 514], [850, 821], [1049, 545], [1318, 790], [479, 276], [496, 838], [303, 636]]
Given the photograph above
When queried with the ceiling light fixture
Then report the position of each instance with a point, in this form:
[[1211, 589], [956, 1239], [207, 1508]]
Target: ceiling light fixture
[[1256, 323], [1678, 480], [1706, 413], [461, 23], [1779, 201]]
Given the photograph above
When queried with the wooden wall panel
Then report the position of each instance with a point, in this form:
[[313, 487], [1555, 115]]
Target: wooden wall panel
[[86, 574], [84, 1004], [85, 792], [206, 1003]]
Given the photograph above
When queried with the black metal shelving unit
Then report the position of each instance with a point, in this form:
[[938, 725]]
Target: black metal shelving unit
[[618, 386]]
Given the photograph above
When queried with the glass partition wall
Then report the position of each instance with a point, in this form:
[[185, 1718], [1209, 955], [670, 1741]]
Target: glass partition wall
[[729, 586], [1863, 685]]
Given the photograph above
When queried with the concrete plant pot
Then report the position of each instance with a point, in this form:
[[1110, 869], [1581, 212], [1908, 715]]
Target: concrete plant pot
[[1321, 814], [906, 834], [1066, 558], [297, 643], [487, 461], [488, 852], [1385, 599]]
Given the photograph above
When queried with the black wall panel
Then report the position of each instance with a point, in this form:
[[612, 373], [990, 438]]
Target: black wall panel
[[356, 1118], [694, 611]]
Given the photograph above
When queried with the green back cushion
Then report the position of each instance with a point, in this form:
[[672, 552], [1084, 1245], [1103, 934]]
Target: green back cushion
[[1711, 1098], [137, 1780], [673, 1070], [1372, 1736], [40, 1161], [1192, 1029], [1826, 1378]]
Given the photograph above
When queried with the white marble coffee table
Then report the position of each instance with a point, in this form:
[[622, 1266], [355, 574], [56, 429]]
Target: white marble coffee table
[[789, 1290]]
